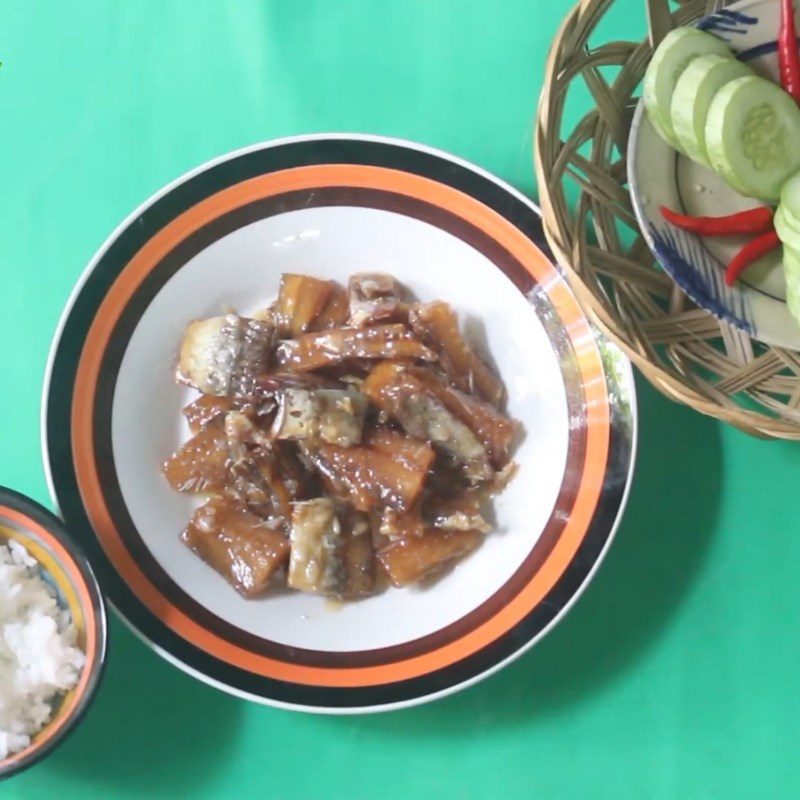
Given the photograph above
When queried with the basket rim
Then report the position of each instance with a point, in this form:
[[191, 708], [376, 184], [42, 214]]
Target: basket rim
[[668, 381]]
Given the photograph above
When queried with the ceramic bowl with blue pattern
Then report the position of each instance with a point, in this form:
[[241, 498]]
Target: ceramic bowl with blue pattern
[[64, 568], [660, 176]]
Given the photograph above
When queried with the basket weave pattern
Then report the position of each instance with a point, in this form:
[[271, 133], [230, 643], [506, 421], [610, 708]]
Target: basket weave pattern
[[684, 351]]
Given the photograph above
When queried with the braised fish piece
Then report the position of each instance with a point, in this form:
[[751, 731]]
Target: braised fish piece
[[243, 435], [204, 410], [272, 384], [411, 453], [334, 313], [245, 549], [200, 465], [223, 356], [400, 394], [326, 348], [359, 558], [301, 481], [401, 524], [408, 560], [331, 553], [255, 479], [459, 513], [437, 326], [315, 561], [300, 300], [494, 430], [375, 297], [390, 473], [333, 415]]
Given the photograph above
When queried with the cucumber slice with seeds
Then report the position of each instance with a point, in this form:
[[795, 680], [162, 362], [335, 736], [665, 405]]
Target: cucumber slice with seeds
[[752, 136], [670, 59], [693, 94]]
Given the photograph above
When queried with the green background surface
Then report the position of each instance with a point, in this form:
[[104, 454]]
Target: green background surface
[[676, 676]]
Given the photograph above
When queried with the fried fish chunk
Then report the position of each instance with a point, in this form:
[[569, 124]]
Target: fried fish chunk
[[408, 560], [331, 550], [223, 356], [436, 325], [400, 394], [330, 347], [240, 546]]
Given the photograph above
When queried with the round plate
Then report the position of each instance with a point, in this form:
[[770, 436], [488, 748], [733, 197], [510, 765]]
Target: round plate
[[658, 175], [331, 206]]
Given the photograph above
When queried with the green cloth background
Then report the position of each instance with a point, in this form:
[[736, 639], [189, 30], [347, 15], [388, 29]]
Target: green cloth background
[[676, 675]]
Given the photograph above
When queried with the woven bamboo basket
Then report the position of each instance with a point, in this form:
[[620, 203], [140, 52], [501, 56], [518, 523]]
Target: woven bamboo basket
[[684, 351]]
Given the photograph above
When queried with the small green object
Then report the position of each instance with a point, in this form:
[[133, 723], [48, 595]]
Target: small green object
[[792, 287], [790, 198], [678, 48], [692, 97], [752, 135], [787, 226], [791, 262]]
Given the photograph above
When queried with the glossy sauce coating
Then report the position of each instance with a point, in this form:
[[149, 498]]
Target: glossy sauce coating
[[342, 439]]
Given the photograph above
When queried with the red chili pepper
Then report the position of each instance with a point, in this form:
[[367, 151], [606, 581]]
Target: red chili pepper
[[754, 220], [751, 252], [788, 58]]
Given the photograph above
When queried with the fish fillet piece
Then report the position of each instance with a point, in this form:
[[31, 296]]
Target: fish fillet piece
[[390, 470], [436, 325], [334, 313], [331, 551], [224, 356], [255, 477], [300, 300], [408, 560], [493, 429], [375, 297], [206, 409], [242, 547], [404, 397], [333, 415], [200, 464], [330, 347]]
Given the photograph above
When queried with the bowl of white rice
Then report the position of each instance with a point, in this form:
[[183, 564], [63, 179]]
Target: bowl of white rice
[[52, 633]]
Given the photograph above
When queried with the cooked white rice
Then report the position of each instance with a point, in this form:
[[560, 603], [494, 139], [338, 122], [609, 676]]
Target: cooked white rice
[[38, 657]]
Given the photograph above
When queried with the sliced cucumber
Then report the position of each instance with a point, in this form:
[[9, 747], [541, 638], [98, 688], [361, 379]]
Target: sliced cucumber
[[670, 59], [752, 135], [790, 196], [791, 271], [787, 223], [787, 227], [693, 94], [793, 294], [792, 220], [791, 263], [791, 259]]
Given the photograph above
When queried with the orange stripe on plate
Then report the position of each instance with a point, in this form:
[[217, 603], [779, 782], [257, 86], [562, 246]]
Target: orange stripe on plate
[[305, 178]]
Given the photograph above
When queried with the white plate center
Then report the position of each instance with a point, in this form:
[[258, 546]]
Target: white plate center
[[242, 270]]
